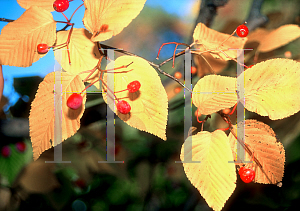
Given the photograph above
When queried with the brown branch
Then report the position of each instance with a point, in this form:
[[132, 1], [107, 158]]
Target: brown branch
[[208, 11], [6, 20], [255, 18]]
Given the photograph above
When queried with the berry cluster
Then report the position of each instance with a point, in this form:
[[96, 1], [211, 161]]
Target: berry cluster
[[75, 100], [122, 105], [59, 6], [6, 150]]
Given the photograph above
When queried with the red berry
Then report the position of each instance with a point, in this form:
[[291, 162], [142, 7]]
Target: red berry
[[177, 89], [246, 174], [21, 146], [5, 151], [193, 70], [74, 101], [42, 48], [242, 30], [80, 183], [123, 107], [226, 111], [178, 75], [61, 5], [241, 170], [133, 86], [288, 54]]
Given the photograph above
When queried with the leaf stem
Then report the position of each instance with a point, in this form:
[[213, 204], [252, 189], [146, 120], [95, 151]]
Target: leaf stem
[[75, 12]]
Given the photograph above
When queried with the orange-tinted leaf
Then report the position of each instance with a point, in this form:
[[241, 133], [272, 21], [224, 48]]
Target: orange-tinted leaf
[[211, 39], [19, 39], [213, 93], [212, 65], [45, 4], [268, 151], [149, 105], [106, 18], [41, 118], [83, 52], [270, 40], [214, 177], [271, 88]]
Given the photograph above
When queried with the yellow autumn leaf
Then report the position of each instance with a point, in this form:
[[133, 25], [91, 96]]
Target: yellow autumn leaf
[[45, 4], [41, 118], [270, 153], [106, 18], [211, 40], [213, 93], [84, 53], [271, 88], [272, 39], [19, 39], [215, 176], [149, 105]]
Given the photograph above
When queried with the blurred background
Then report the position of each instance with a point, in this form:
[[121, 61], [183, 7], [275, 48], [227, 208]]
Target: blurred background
[[149, 178]]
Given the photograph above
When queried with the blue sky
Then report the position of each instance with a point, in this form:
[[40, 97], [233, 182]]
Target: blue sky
[[10, 9]]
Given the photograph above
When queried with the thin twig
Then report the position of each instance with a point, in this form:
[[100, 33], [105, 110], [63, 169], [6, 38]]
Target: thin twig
[[6, 20], [255, 18], [156, 66]]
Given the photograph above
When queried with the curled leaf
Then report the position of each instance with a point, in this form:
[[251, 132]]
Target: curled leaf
[[19, 39], [106, 18], [270, 153], [42, 116], [270, 40], [211, 40], [206, 64], [215, 176], [149, 105], [213, 93], [271, 88]]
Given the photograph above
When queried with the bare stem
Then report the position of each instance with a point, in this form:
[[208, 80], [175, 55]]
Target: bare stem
[[6, 20]]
